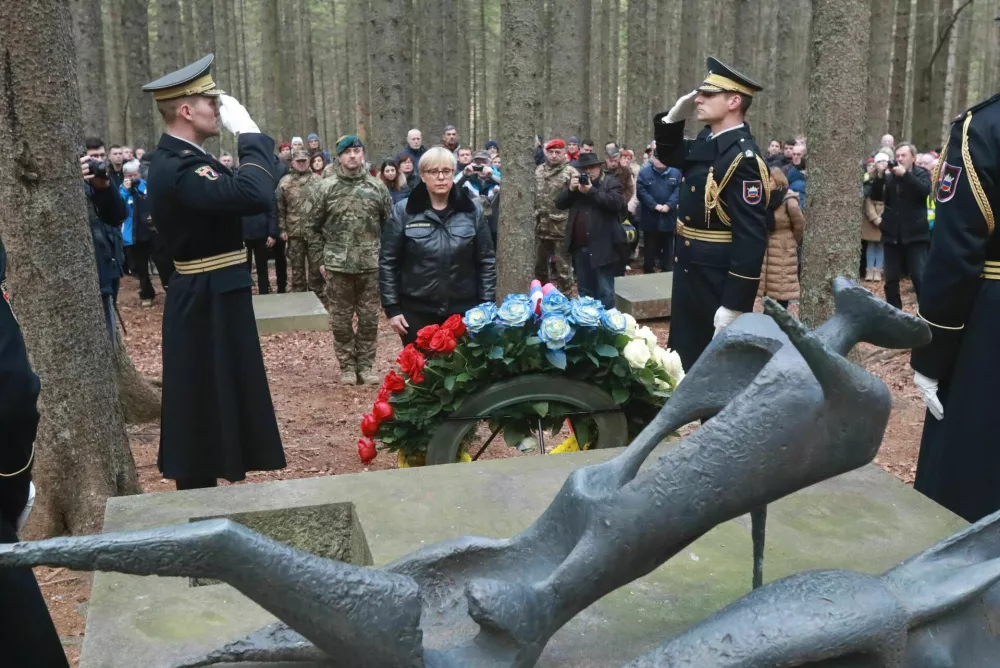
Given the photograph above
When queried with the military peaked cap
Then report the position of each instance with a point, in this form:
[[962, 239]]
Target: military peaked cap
[[724, 79], [195, 79]]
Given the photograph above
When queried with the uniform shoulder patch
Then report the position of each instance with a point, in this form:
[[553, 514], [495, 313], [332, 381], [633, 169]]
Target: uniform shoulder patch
[[749, 153], [207, 172], [948, 182], [752, 191]]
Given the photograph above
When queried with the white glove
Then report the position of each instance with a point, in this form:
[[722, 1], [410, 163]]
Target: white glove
[[928, 388], [235, 117], [23, 518], [724, 318], [682, 108]]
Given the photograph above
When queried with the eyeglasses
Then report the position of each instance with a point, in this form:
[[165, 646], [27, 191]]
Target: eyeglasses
[[440, 173]]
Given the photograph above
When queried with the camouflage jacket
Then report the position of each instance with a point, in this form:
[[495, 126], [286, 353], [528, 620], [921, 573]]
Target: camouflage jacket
[[550, 222], [292, 195], [345, 219]]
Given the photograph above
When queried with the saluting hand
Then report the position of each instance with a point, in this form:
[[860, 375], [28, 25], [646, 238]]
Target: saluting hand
[[682, 108], [235, 117]]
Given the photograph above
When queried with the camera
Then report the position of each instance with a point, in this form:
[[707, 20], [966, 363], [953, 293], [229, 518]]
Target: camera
[[584, 179], [892, 164], [479, 168], [98, 168]]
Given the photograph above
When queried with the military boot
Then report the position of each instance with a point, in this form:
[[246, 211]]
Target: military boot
[[368, 377], [348, 377]]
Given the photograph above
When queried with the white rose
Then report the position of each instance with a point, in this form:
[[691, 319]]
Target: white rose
[[637, 353], [661, 384], [630, 325], [646, 334], [670, 361]]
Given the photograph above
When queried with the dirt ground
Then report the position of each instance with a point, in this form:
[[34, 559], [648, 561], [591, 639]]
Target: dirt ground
[[319, 422]]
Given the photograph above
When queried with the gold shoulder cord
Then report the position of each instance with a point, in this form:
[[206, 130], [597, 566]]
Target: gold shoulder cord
[[937, 170], [31, 458], [977, 187], [713, 192], [765, 179]]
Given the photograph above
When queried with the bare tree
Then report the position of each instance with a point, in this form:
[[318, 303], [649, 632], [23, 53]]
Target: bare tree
[[637, 121], [89, 41], [568, 68], [271, 67], [520, 113], [82, 453], [136, 23], [388, 25], [360, 78], [900, 50], [837, 103], [879, 66], [687, 73]]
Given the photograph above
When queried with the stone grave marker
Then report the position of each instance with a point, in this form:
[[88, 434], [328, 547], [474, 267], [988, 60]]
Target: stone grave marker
[[646, 296], [289, 312]]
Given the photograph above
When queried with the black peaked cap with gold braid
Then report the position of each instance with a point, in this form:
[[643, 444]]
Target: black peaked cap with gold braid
[[194, 79], [724, 79]]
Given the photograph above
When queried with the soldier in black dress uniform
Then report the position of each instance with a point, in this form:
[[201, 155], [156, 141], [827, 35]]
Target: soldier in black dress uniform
[[959, 464], [721, 217], [217, 419], [28, 638]]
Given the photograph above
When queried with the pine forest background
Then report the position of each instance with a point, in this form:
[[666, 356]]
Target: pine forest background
[[372, 67]]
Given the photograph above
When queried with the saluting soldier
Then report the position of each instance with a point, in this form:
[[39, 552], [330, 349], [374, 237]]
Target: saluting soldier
[[959, 464], [217, 419], [721, 216]]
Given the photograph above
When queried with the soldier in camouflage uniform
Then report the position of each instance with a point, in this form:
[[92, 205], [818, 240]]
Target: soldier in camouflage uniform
[[343, 233], [550, 223], [294, 190]]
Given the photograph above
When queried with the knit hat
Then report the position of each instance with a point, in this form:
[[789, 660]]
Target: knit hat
[[348, 141], [492, 144], [882, 157], [613, 152], [297, 139], [312, 136], [573, 140]]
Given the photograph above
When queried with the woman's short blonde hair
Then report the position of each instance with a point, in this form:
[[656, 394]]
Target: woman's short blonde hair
[[437, 158], [779, 178]]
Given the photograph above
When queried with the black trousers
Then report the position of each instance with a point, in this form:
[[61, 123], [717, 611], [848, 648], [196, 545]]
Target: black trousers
[[142, 253], [902, 259], [658, 249], [417, 321], [280, 264], [27, 635], [257, 252]]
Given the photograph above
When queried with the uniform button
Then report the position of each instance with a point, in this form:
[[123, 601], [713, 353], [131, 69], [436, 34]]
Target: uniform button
[[692, 188], [687, 243], [688, 218], [675, 259], [683, 178]]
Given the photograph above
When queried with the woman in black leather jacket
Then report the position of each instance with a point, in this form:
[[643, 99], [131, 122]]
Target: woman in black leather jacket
[[437, 256]]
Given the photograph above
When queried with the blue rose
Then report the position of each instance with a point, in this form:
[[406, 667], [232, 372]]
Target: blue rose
[[555, 302], [478, 317], [586, 311], [514, 311], [614, 321], [555, 330]]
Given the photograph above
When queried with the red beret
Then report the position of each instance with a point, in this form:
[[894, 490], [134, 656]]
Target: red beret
[[555, 143]]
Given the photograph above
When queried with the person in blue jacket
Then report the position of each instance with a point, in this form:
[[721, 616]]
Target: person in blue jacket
[[658, 190]]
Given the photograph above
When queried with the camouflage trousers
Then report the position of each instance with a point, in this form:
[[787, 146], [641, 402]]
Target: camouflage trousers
[[560, 271], [298, 258], [347, 295]]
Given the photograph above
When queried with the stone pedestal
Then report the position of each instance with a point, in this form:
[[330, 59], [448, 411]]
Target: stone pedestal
[[289, 312], [865, 520], [646, 296]]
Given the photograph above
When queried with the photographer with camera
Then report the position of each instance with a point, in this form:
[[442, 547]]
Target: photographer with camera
[[903, 187], [140, 233], [594, 233], [483, 187], [106, 211]]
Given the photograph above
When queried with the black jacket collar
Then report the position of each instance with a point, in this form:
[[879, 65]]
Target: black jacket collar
[[420, 200], [178, 146]]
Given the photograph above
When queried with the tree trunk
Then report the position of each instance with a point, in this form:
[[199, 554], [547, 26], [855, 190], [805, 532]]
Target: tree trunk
[[689, 72], [89, 41], [766, 66], [482, 102], [585, 11], [604, 73], [520, 113], [140, 401], [111, 22], [135, 21], [950, 77], [960, 100], [348, 123], [192, 50], [206, 40], [879, 69], [925, 127], [388, 26], [83, 455], [358, 53], [837, 104], [637, 123], [615, 55], [170, 39], [271, 69], [306, 68], [665, 75], [897, 90], [568, 68], [725, 32]]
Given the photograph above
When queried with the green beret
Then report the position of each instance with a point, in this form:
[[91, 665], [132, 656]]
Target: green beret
[[348, 141]]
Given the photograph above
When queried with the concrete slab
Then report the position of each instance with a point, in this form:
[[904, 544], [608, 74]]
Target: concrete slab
[[645, 296], [289, 312], [865, 520]]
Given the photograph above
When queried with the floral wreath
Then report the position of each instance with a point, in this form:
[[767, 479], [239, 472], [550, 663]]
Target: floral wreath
[[575, 338]]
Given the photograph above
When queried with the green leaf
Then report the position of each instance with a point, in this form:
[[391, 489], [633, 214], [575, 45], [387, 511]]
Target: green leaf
[[542, 408], [556, 358], [620, 395], [620, 370], [582, 432], [496, 353], [463, 377], [472, 344], [513, 435], [604, 350], [532, 341], [593, 359], [449, 383]]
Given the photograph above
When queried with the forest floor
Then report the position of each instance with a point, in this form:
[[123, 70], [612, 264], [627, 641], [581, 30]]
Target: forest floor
[[319, 422]]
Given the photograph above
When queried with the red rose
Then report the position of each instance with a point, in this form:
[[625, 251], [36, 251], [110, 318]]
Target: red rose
[[369, 425], [443, 342], [394, 382], [366, 450], [382, 411], [383, 394], [454, 325], [425, 335], [412, 361]]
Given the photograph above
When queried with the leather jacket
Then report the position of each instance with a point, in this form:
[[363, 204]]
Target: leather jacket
[[432, 264]]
